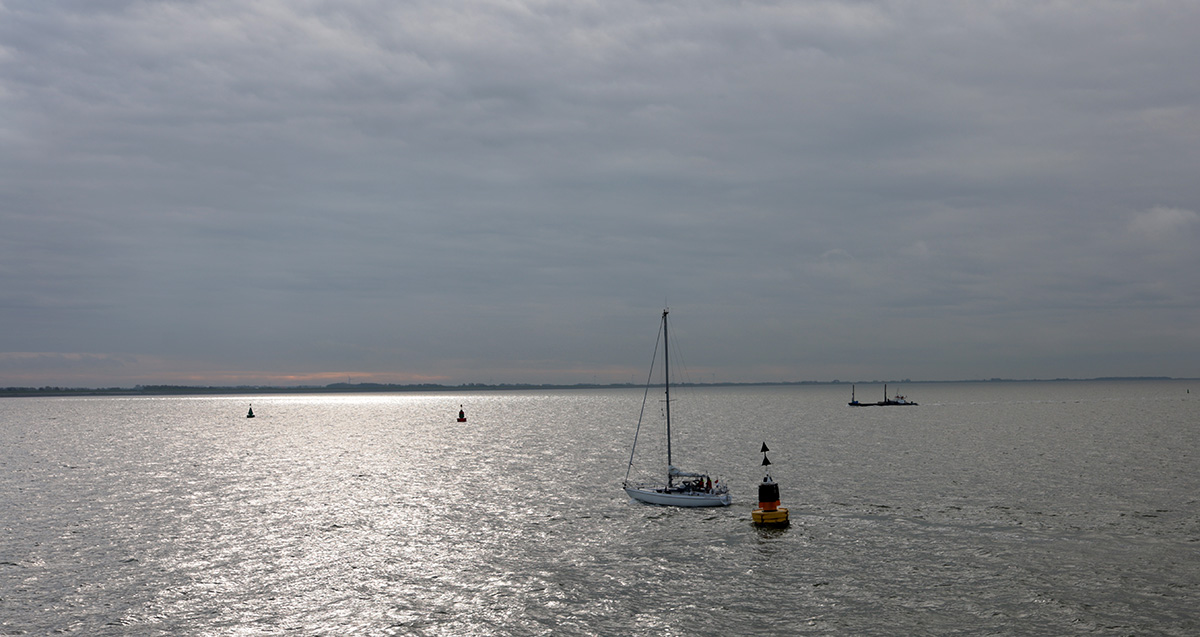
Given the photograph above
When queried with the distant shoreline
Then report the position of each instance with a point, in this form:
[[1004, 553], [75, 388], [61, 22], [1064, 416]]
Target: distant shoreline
[[347, 388]]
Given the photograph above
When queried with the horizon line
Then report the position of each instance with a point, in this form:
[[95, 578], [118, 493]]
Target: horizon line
[[150, 389]]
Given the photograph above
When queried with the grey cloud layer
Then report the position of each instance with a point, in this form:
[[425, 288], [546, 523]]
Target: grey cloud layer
[[481, 191]]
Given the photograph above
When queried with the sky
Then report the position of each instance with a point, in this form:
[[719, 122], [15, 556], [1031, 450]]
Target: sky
[[305, 192]]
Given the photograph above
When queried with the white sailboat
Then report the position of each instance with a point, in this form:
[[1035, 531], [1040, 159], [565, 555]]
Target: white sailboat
[[682, 488]]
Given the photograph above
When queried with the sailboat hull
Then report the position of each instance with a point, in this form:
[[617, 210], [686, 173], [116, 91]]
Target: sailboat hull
[[678, 498]]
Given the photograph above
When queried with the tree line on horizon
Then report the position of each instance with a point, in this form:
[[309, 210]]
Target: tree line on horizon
[[373, 387]]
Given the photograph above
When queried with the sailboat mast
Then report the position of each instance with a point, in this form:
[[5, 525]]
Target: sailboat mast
[[667, 388]]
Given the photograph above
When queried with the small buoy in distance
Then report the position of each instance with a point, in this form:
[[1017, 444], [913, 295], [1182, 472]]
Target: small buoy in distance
[[462, 415], [250, 414], [769, 513]]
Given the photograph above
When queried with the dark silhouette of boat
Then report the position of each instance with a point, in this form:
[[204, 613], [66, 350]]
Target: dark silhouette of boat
[[897, 400]]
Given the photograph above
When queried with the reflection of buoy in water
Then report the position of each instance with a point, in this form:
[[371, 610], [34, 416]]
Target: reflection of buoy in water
[[462, 415], [250, 414], [769, 513]]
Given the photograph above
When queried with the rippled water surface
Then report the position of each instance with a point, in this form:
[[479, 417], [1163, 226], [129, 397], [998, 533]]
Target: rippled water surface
[[1041, 508]]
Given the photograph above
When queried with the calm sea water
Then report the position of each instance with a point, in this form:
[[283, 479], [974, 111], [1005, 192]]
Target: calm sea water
[[1041, 509]]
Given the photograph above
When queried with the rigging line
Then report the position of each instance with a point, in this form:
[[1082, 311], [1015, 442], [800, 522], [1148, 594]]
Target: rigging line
[[645, 397], [681, 372]]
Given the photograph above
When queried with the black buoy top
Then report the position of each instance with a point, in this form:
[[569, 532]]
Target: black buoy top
[[768, 491]]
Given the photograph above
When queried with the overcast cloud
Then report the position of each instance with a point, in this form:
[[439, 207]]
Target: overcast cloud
[[301, 192]]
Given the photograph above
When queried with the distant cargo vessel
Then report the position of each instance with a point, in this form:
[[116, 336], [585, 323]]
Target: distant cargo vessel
[[896, 400]]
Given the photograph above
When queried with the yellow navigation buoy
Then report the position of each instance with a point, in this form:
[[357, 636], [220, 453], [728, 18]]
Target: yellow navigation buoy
[[769, 513]]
